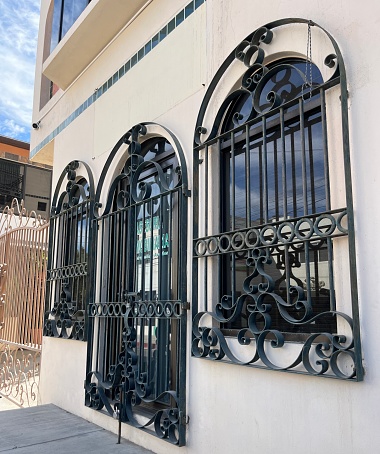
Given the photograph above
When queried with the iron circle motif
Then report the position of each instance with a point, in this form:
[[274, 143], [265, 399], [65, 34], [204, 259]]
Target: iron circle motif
[[253, 55], [264, 241], [168, 309], [104, 310], [298, 232], [142, 309], [212, 241], [177, 309], [150, 310], [200, 247], [117, 309], [223, 238], [235, 245], [159, 309], [330, 230], [282, 237], [248, 235], [339, 222], [80, 334]]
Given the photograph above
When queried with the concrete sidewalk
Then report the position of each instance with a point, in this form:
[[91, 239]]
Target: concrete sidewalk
[[47, 429]]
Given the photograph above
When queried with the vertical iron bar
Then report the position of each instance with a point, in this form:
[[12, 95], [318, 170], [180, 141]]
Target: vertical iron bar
[[232, 213], [275, 177], [247, 177], [285, 201], [328, 197], [351, 224], [284, 173], [303, 157], [311, 166], [305, 198], [206, 213], [265, 169], [195, 265], [294, 174]]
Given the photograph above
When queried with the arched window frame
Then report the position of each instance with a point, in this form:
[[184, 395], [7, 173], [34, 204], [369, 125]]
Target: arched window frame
[[137, 337], [68, 275], [333, 354]]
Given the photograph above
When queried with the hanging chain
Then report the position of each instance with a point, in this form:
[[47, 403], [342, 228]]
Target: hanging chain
[[309, 65]]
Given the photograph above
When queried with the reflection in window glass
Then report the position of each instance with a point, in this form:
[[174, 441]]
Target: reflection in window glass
[[274, 170], [71, 11], [66, 12]]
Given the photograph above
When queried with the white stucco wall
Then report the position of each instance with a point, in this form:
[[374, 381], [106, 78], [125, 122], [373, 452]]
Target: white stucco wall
[[233, 408]]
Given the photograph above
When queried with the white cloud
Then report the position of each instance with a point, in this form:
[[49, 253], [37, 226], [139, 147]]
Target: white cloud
[[18, 41], [11, 129]]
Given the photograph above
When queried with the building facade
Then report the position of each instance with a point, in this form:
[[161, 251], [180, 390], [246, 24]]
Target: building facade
[[209, 268], [22, 180]]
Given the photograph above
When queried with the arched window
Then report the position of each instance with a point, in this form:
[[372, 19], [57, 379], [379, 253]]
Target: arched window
[[270, 215], [136, 366], [69, 253]]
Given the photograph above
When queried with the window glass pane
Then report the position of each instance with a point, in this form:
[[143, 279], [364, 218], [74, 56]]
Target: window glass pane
[[56, 24], [71, 11], [281, 177]]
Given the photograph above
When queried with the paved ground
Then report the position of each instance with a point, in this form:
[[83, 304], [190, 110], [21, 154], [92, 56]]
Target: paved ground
[[47, 429]]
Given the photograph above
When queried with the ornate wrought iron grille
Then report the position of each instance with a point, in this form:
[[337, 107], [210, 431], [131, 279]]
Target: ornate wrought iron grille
[[69, 253], [267, 225], [136, 363]]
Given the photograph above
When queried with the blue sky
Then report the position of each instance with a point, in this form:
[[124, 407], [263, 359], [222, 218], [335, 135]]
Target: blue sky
[[19, 21]]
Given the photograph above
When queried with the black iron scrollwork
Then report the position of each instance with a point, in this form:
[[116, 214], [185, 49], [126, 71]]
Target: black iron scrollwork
[[127, 378], [69, 250], [321, 353], [135, 189], [67, 321], [267, 86]]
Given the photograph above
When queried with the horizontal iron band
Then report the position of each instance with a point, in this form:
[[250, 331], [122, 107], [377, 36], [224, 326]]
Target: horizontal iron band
[[75, 270], [140, 309], [288, 232]]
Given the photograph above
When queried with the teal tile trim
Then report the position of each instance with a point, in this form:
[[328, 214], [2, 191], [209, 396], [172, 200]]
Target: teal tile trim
[[134, 60]]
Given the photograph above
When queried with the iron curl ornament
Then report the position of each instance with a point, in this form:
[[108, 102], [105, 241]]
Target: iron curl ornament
[[264, 289], [257, 75], [321, 352], [19, 374]]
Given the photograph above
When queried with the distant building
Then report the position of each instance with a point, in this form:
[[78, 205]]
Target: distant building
[[22, 179]]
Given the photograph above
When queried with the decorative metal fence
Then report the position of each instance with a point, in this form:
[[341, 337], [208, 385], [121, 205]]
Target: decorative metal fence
[[23, 260]]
